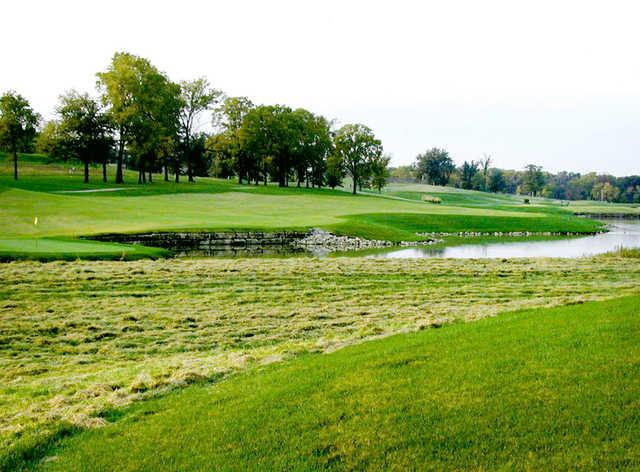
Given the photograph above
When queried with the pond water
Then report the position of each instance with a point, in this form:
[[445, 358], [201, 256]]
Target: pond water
[[622, 233]]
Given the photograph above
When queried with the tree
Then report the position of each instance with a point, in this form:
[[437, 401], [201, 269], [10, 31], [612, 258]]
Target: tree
[[497, 182], [435, 166], [605, 191], [197, 97], [49, 140], [335, 171], [267, 135], [468, 171], [226, 145], [18, 123], [144, 105], [85, 130], [403, 173], [533, 179], [120, 90], [357, 147], [310, 146], [379, 171], [485, 162]]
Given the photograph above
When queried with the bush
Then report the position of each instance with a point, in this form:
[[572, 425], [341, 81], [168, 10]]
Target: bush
[[430, 199], [526, 201]]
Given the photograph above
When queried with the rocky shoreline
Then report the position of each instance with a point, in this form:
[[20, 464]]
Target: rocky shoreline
[[513, 233], [318, 240]]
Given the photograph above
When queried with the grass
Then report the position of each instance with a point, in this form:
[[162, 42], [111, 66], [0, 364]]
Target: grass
[[471, 198], [542, 389], [405, 226], [78, 339], [45, 249], [67, 208]]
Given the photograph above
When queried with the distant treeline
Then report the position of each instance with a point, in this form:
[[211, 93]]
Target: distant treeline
[[436, 167], [142, 120]]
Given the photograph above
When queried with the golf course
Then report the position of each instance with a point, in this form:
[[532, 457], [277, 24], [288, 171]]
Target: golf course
[[301, 362], [319, 236], [66, 210]]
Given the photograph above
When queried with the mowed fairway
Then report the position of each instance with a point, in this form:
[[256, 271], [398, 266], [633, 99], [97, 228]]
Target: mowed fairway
[[66, 208], [553, 389], [79, 339]]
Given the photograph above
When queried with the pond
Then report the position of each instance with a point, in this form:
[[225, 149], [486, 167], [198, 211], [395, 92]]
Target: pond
[[622, 233]]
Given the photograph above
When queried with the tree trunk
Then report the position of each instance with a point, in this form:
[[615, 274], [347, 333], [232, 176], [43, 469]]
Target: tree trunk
[[15, 163], [104, 170], [86, 171], [166, 173], [119, 178], [150, 176], [141, 174], [354, 184]]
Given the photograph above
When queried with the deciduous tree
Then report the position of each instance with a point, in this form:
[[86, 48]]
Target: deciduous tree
[[435, 166], [18, 123], [196, 96], [357, 147], [85, 130]]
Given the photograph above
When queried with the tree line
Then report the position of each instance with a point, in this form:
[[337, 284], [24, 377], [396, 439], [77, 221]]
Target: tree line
[[436, 167], [142, 120]]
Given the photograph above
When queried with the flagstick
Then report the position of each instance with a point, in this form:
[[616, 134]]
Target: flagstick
[[35, 223]]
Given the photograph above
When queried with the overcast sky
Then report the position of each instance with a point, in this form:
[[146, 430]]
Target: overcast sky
[[555, 83]]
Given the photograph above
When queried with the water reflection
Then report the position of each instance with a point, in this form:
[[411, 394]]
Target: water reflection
[[622, 233]]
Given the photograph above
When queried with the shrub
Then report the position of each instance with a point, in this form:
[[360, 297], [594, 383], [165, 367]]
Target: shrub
[[431, 199]]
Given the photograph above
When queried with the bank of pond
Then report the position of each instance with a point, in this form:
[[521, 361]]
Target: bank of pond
[[621, 233]]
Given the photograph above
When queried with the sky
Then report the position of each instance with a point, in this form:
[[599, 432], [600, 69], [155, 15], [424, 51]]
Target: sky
[[553, 83]]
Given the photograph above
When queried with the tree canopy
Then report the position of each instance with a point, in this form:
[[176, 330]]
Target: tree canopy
[[357, 147], [18, 125]]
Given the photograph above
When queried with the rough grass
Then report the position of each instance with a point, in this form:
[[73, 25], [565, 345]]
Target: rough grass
[[77, 339], [544, 389]]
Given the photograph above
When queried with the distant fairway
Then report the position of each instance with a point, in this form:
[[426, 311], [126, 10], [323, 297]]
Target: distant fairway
[[67, 208]]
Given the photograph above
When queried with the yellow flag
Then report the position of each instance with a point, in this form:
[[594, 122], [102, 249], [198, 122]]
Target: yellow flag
[[35, 222]]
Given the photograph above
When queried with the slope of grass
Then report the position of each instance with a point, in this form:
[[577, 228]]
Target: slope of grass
[[80, 338], [472, 198], [552, 389]]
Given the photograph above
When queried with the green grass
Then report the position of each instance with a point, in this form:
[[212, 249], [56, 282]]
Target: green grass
[[81, 338], [474, 199], [67, 208], [45, 249], [552, 389], [404, 226]]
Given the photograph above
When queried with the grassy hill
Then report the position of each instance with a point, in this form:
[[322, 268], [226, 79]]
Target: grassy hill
[[66, 208], [78, 339], [544, 389]]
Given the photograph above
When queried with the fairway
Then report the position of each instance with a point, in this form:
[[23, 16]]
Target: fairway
[[533, 390], [66, 209]]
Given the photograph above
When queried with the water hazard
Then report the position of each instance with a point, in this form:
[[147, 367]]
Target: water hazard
[[622, 233]]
